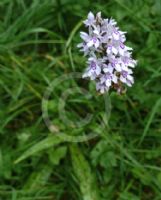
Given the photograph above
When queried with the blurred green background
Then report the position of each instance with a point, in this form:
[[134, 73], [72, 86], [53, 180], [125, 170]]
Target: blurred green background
[[38, 41]]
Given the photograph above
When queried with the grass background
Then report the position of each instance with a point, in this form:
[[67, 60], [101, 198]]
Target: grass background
[[38, 41]]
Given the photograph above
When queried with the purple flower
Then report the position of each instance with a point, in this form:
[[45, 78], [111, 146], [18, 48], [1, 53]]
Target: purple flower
[[90, 19], [126, 77], [108, 78], [93, 70], [93, 42], [90, 40], [84, 48], [110, 61], [116, 34], [111, 49], [101, 87]]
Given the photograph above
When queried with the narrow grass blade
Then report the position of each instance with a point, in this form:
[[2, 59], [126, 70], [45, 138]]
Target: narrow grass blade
[[154, 110]]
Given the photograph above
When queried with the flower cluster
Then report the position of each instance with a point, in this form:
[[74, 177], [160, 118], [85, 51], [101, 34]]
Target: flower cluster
[[109, 59]]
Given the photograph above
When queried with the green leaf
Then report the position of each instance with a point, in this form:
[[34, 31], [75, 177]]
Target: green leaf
[[46, 143], [97, 151], [55, 155], [127, 196], [86, 178], [108, 159], [159, 177], [38, 178]]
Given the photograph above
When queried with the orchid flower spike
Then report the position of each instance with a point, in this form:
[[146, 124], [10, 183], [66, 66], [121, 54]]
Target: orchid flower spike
[[109, 60]]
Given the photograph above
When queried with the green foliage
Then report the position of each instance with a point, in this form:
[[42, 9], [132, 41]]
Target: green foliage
[[38, 41], [84, 174], [42, 145]]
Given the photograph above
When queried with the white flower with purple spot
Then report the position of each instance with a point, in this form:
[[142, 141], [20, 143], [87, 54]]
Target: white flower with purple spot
[[90, 40], [108, 78], [126, 77], [110, 61], [101, 87], [94, 69]]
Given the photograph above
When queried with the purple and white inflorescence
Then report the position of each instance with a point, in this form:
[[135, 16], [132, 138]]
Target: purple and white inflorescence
[[109, 59]]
